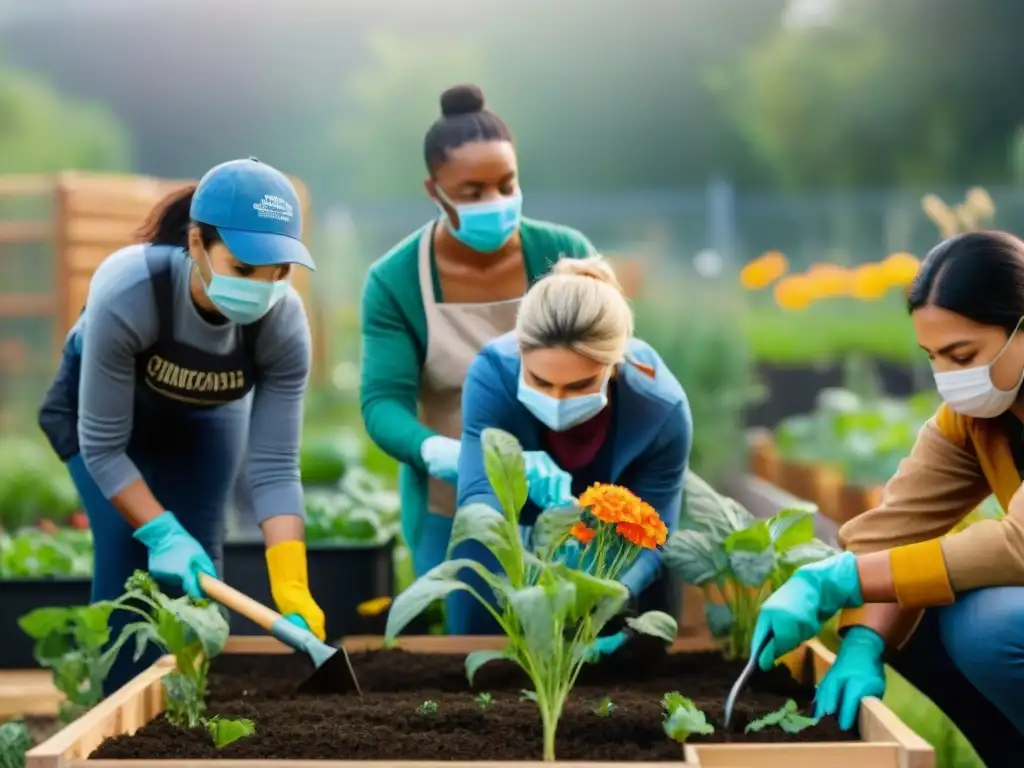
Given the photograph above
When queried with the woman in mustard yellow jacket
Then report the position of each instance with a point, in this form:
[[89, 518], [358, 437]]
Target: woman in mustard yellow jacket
[[959, 598]]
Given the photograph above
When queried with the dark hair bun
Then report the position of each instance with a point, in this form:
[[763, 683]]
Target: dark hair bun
[[462, 100]]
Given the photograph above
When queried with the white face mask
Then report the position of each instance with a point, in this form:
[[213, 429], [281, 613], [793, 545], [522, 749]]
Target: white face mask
[[972, 392]]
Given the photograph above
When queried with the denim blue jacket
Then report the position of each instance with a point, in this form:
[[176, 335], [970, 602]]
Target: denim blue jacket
[[653, 434]]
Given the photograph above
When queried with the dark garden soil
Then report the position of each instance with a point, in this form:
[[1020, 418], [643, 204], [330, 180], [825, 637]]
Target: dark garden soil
[[386, 724]]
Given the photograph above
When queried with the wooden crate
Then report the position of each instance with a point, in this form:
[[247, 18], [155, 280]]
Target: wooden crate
[[888, 743], [25, 692]]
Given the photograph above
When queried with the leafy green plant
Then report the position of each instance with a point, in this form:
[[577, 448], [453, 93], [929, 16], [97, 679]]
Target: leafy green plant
[[427, 707], [224, 731], [33, 484], [787, 717], [738, 560], [359, 511], [69, 642], [605, 707], [550, 613], [31, 553], [14, 743], [193, 631], [484, 700], [865, 438], [683, 719]]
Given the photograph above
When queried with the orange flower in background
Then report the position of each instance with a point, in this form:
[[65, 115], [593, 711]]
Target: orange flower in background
[[795, 292], [649, 533], [870, 282], [901, 269], [374, 607], [763, 271], [611, 503], [581, 532], [830, 280]]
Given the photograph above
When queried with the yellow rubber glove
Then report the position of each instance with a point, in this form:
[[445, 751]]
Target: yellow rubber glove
[[289, 584]]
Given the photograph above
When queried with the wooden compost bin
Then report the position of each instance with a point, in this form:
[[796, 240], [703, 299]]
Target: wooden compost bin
[[888, 743]]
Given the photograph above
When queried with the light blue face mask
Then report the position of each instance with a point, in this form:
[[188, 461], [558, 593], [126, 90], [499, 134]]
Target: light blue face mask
[[486, 226], [560, 415], [242, 300]]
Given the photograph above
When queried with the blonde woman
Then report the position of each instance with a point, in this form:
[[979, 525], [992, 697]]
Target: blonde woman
[[590, 404]]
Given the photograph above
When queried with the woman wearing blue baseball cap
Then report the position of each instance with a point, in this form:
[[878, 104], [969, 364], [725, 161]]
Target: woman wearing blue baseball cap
[[192, 353], [437, 297]]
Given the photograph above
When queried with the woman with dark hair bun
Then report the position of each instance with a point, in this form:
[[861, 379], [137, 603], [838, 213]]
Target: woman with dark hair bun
[[959, 598], [437, 297]]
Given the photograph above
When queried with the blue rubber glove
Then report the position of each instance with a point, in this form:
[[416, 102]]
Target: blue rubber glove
[[569, 554], [549, 484], [175, 557], [441, 455], [603, 646], [858, 672], [799, 608]]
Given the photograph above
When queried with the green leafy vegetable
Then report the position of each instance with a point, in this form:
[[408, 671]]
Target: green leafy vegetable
[[31, 553], [550, 613], [682, 718], [69, 642], [605, 708], [484, 700], [359, 511], [14, 743], [194, 631], [225, 731], [33, 484], [738, 561], [428, 707], [787, 717]]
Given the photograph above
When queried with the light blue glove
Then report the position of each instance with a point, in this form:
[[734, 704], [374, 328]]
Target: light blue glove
[[603, 646], [175, 557], [569, 554], [799, 608], [549, 484], [441, 455], [857, 672]]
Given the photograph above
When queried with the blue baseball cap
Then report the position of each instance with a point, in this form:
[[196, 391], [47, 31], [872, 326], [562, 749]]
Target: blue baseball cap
[[256, 211]]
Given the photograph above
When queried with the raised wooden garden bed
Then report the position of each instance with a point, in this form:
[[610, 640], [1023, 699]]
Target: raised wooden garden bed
[[385, 730], [27, 692]]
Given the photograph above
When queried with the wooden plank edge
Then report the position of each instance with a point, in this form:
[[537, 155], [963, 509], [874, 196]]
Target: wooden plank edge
[[799, 755], [68, 743]]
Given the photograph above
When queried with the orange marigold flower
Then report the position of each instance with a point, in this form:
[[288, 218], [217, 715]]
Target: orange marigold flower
[[611, 503], [582, 532], [901, 269], [795, 292], [373, 607], [870, 282], [763, 271]]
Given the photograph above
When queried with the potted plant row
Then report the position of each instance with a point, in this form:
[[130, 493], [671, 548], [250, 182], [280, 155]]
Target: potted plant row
[[534, 692], [840, 455]]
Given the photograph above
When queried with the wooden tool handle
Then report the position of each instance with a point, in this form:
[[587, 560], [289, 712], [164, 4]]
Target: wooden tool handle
[[237, 602]]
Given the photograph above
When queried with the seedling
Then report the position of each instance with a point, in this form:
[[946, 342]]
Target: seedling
[[738, 560], [525, 695], [194, 631], [787, 717], [605, 708], [484, 700], [683, 719], [427, 708], [225, 732], [550, 611]]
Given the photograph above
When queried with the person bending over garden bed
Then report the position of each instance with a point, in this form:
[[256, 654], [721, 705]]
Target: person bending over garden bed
[[967, 652], [589, 404]]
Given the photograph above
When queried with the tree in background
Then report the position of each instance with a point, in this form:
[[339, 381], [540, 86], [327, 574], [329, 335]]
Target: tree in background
[[41, 131]]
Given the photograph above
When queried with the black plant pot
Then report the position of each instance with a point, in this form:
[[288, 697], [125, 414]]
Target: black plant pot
[[20, 596], [341, 576]]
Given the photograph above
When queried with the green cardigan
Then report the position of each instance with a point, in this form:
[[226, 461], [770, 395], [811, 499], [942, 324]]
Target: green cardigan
[[394, 342]]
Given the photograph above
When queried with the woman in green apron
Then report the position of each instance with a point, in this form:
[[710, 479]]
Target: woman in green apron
[[437, 297]]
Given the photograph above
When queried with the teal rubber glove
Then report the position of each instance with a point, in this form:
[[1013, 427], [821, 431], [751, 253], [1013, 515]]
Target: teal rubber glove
[[603, 646], [858, 672], [799, 608], [549, 484], [441, 455], [175, 557]]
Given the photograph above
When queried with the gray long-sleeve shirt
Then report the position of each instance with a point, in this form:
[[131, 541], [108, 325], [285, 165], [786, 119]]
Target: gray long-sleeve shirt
[[120, 322]]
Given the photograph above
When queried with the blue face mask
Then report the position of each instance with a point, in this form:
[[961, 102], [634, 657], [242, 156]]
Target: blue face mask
[[242, 300], [486, 226], [560, 415]]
